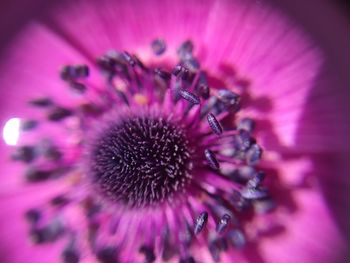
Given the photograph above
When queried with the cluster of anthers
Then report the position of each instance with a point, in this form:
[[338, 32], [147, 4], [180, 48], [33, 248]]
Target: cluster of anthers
[[160, 165]]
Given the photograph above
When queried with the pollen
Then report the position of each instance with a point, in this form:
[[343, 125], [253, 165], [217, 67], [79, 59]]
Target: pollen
[[141, 99]]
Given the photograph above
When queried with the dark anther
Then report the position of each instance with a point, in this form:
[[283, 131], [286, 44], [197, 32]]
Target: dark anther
[[107, 64], [59, 201], [242, 174], [37, 175], [91, 109], [71, 72], [238, 202], [68, 72], [203, 90], [236, 238], [253, 154], [254, 193], [25, 154], [202, 86], [243, 140], [77, 86], [214, 124], [107, 255], [185, 50], [92, 233], [190, 97], [148, 253], [82, 71], [200, 222], [185, 236], [129, 59], [246, 124], [29, 125], [211, 159], [50, 151], [192, 64], [39, 235], [180, 71], [122, 96], [168, 248], [70, 255], [256, 181], [221, 243], [45, 234], [162, 74], [59, 113], [91, 207], [214, 251], [265, 205], [33, 216], [223, 223], [41, 102], [139, 63], [188, 259], [229, 99], [158, 46]]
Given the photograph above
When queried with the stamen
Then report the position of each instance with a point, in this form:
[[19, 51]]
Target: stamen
[[41, 102], [58, 114], [230, 100], [185, 50], [180, 71], [36, 175], [236, 238], [254, 193], [223, 223], [200, 223], [214, 124], [246, 124], [148, 253], [242, 140], [256, 180], [188, 259], [29, 125], [129, 59], [253, 155], [211, 159], [162, 74], [191, 63], [107, 255], [158, 46], [59, 201], [33, 216], [70, 254], [48, 233], [25, 154], [70, 72], [77, 87], [190, 97]]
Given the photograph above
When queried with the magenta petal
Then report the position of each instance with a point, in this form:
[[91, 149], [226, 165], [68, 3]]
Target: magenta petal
[[299, 107]]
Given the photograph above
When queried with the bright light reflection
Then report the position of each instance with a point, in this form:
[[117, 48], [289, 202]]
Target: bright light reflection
[[10, 132]]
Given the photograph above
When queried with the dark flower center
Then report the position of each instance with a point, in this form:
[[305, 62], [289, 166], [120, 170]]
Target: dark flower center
[[141, 161]]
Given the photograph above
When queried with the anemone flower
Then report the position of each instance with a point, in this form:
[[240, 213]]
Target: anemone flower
[[170, 131]]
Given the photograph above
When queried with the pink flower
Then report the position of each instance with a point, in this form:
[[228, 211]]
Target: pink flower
[[251, 57]]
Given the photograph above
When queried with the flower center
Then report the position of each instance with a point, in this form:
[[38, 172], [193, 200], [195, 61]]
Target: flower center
[[141, 161]]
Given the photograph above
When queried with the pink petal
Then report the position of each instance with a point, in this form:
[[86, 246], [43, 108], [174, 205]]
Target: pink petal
[[285, 68]]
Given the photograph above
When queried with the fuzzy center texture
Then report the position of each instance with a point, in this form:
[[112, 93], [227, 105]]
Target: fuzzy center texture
[[141, 161]]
